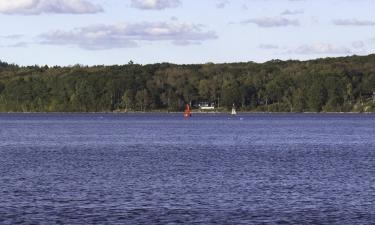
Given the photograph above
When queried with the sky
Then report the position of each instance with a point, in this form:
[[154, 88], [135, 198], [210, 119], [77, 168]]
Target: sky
[[107, 32]]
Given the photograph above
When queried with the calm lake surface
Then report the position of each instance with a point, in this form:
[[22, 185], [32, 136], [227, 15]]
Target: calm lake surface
[[163, 169]]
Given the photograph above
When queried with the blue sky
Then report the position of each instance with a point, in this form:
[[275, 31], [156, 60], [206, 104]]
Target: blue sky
[[67, 32]]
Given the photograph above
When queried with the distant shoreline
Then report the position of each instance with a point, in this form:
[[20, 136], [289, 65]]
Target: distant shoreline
[[203, 113]]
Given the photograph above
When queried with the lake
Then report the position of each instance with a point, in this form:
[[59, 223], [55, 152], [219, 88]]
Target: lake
[[164, 169]]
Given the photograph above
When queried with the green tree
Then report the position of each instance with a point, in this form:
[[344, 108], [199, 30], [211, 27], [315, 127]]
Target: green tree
[[299, 100], [142, 99], [2, 87], [317, 95], [335, 92], [127, 100]]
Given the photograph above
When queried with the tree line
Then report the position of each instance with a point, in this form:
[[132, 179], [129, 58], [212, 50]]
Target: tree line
[[343, 84]]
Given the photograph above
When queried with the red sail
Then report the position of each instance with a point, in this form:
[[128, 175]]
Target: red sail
[[187, 111]]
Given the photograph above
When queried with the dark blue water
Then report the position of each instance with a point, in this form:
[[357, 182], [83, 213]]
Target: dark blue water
[[162, 169]]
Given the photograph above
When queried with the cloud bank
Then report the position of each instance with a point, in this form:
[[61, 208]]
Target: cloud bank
[[126, 35], [36, 7]]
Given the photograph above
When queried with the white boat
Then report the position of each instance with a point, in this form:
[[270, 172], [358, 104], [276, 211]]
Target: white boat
[[234, 112], [205, 106]]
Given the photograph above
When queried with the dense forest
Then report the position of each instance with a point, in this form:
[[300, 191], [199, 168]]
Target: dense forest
[[342, 84]]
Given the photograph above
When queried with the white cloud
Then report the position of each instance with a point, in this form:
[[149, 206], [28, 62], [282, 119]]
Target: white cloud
[[268, 46], [18, 45], [155, 4], [127, 35], [267, 22], [12, 36], [222, 3], [358, 44], [353, 22], [36, 7], [322, 48], [292, 12]]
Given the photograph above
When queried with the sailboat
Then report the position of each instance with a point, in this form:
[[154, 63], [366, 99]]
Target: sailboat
[[234, 112], [187, 112]]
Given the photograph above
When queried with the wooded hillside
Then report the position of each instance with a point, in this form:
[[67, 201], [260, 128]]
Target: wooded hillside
[[332, 84]]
